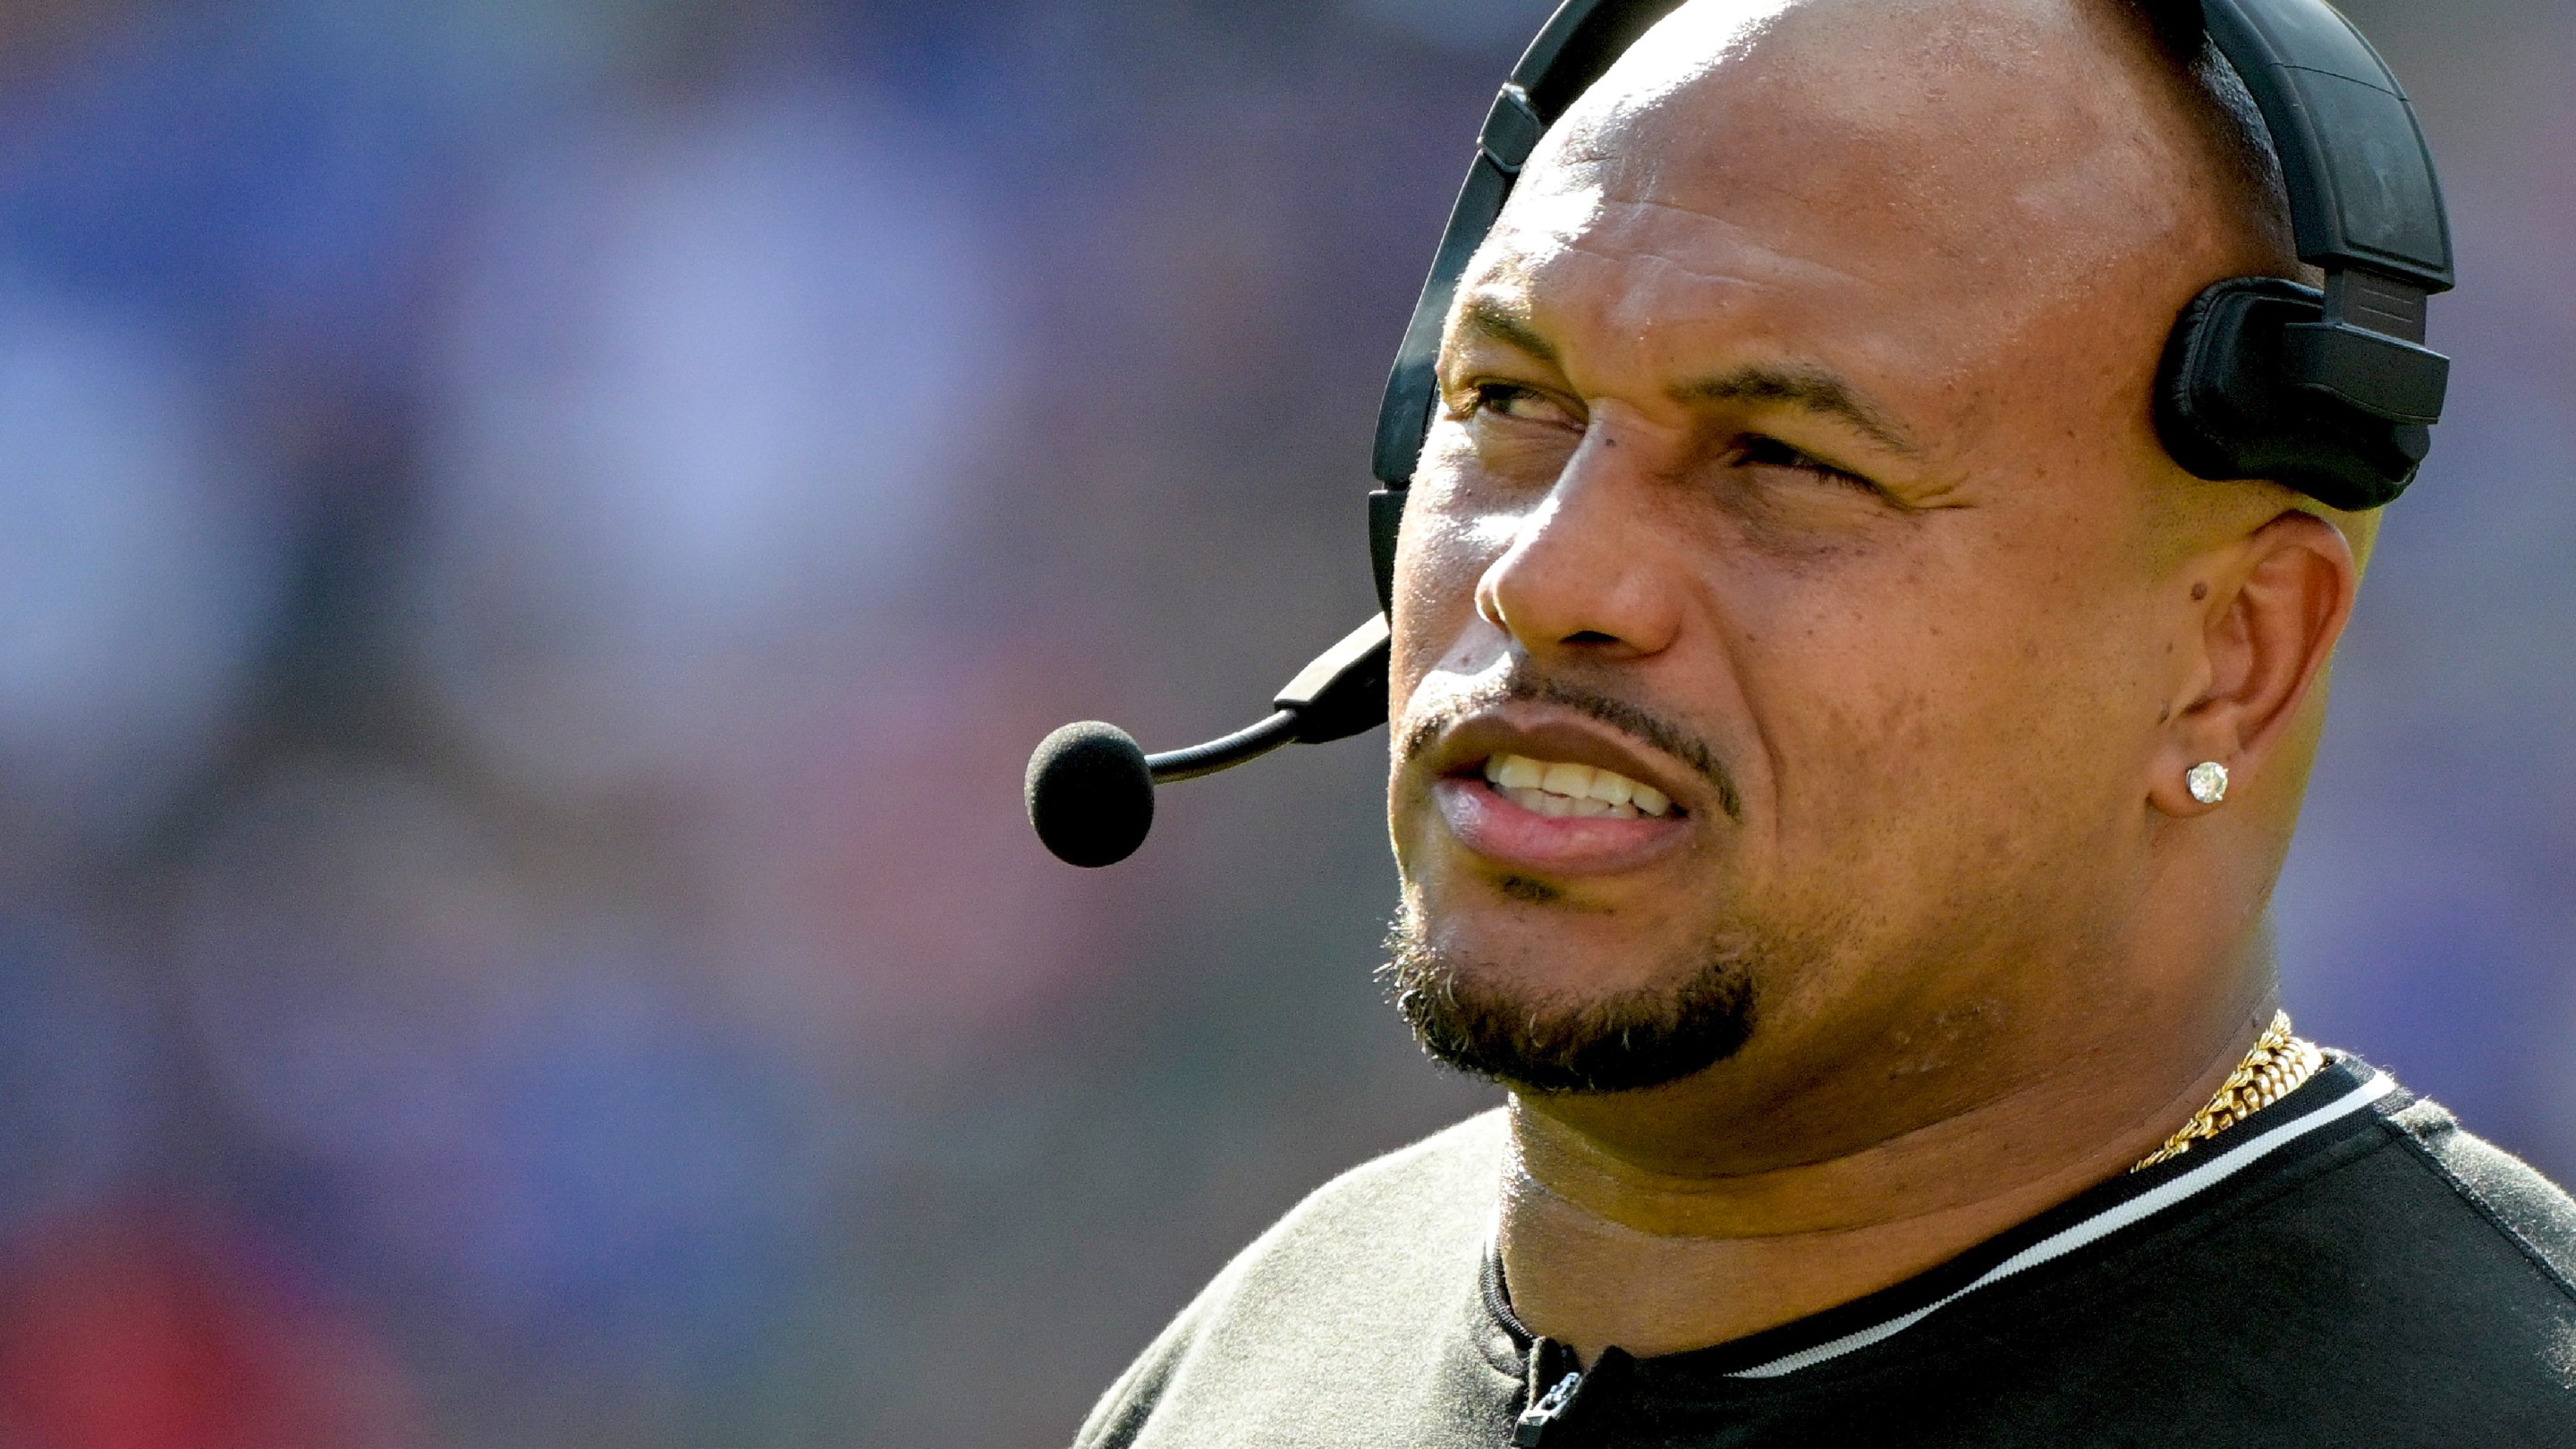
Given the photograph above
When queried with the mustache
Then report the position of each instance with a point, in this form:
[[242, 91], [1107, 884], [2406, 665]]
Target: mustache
[[1520, 686]]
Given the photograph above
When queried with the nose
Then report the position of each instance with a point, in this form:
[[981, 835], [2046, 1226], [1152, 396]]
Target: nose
[[1588, 573]]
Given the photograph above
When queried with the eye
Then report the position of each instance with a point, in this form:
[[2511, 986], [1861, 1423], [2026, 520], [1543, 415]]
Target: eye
[[1756, 451], [1512, 400]]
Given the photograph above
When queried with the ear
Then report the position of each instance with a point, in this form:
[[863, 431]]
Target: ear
[[2273, 607]]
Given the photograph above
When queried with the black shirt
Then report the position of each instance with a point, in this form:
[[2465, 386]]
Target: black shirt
[[2345, 1268]]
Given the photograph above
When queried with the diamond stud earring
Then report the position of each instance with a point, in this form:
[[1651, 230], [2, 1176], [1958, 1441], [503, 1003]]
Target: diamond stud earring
[[2208, 782]]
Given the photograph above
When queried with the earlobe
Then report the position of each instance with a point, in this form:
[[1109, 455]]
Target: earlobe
[[2268, 613]]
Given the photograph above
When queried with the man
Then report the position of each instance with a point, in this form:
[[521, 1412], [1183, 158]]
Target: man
[[1841, 764]]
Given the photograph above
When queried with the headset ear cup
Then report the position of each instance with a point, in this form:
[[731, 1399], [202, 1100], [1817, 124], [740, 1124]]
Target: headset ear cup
[[2225, 410], [2217, 399], [2192, 414]]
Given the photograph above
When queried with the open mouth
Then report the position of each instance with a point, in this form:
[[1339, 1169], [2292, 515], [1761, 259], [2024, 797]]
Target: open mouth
[[1564, 790], [1535, 794]]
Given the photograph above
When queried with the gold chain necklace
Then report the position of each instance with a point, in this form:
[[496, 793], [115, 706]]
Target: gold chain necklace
[[2275, 1068]]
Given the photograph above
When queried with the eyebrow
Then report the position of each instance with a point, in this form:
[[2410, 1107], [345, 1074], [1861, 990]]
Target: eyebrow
[[1507, 324], [1809, 389]]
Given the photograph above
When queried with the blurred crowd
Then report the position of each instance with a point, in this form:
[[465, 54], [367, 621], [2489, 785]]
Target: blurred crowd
[[535, 536]]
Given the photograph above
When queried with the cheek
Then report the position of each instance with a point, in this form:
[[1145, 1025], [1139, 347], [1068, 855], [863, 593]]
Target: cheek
[[1451, 536], [1941, 719]]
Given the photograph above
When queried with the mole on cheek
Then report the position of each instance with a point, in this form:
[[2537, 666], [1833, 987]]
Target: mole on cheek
[[2199, 592]]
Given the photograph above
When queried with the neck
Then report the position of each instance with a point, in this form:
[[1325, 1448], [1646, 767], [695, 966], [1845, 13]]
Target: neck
[[1620, 1225]]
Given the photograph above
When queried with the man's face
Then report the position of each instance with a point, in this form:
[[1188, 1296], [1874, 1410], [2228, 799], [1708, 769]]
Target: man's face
[[1779, 608]]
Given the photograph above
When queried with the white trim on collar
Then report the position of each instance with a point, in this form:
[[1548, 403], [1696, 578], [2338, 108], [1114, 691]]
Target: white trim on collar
[[2097, 1227]]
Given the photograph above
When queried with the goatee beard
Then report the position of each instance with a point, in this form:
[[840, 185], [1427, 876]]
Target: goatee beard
[[1646, 1038]]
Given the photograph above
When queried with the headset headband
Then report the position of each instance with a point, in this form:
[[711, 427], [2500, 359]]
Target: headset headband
[[2331, 392], [2365, 206]]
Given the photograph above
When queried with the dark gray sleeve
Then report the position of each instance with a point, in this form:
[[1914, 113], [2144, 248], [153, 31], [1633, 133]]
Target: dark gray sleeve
[[1121, 1413], [2521, 1204], [1369, 1285]]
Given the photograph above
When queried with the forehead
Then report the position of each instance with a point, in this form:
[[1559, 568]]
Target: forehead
[[1928, 178]]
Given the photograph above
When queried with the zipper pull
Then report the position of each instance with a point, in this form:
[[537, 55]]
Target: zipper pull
[[1539, 1417]]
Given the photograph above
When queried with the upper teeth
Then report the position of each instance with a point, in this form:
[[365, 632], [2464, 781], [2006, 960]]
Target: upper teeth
[[1555, 787]]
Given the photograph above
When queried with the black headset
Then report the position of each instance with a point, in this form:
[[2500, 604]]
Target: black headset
[[2330, 392]]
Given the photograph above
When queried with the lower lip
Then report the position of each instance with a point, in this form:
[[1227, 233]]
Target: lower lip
[[1488, 823]]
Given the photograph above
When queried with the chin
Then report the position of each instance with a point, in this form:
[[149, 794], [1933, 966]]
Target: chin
[[1529, 1008]]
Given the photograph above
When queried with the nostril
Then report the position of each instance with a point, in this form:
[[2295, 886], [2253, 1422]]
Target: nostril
[[1591, 636]]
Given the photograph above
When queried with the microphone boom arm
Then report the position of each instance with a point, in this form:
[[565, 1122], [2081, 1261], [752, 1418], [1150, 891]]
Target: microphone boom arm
[[1241, 747], [1090, 790]]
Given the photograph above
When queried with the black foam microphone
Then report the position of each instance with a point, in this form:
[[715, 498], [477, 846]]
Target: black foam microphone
[[1090, 787]]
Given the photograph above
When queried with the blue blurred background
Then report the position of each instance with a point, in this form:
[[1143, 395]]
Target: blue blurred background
[[535, 536]]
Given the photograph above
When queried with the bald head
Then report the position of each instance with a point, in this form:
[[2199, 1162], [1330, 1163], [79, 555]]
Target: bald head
[[2052, 153], [2003, 165], [1797, 456]]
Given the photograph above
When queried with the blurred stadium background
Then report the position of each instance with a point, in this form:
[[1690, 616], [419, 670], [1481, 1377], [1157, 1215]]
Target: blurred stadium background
[[535, 536]]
